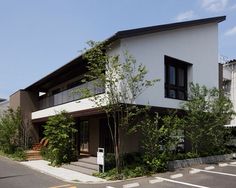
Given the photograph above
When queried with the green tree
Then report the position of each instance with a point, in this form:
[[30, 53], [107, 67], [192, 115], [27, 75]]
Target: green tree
[[124, 80], [160, 139], [10, 127], [208, 110], [59, 130]]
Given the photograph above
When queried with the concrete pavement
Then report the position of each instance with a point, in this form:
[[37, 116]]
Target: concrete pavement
[[61, 173]]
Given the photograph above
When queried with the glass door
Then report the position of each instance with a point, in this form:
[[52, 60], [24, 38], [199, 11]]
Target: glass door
[[84, 136]]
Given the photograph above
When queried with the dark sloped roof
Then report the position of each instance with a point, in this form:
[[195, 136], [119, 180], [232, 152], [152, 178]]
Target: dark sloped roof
[[165, 27], [126, 34]]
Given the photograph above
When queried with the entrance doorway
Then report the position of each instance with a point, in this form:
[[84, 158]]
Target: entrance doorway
[[84, 136]]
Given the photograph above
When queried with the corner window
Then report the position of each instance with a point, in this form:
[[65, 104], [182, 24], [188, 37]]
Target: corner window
[[175, 78]]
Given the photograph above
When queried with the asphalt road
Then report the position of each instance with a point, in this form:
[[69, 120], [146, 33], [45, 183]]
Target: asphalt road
[[202, 176], [15, 175]]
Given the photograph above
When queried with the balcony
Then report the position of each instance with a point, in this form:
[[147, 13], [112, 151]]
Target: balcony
[[69, 95]]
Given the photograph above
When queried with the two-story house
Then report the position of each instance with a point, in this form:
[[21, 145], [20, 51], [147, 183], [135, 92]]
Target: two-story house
[[177, 54]]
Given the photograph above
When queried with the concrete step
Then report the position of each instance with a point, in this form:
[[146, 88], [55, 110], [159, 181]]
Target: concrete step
[[91, 166], [33, 155], [90, 160], [79, 169], [34, 158]]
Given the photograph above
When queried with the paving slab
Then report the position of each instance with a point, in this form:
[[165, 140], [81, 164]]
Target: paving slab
[[61, 173]]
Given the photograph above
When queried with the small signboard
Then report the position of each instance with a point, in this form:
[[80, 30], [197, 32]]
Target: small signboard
[[100, 158]]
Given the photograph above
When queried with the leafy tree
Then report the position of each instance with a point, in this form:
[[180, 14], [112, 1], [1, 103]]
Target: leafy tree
[[160, 139], [208, 110], [10, 126], [59, 130], [124, 80]]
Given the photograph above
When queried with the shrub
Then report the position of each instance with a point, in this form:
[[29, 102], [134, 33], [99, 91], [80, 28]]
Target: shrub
[[208, 110], [59, 130], [44, 152], [19, 154], [10, 124], [110, 161], [157, 165]]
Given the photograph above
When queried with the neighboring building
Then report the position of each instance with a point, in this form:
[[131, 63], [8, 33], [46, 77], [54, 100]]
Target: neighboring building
[[229, 84], [4, 104], [177, 53]]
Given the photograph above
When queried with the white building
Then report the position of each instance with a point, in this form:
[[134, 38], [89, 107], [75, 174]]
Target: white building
[[4, 104], [177, 54], [229, 79]]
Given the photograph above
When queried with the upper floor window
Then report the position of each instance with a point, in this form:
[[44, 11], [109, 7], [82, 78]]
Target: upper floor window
[[175, 78]]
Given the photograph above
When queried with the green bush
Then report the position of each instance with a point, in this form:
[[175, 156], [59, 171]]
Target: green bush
[[157, 165], [19, 154], [10, 123], [59, 130], [207, 111], [45, 153], [110, 161], [127, 172]]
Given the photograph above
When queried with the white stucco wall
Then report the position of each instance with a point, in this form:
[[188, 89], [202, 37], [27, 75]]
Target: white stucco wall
[[229, 73], [197, 45], [75, 106]]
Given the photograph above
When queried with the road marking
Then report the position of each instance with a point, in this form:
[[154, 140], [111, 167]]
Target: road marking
[[209, 168], [234, 163], [215, 172], [176, 176], [194, 171], [67, 185], [131, 185], [223, 164], [155, 181], [109, 187], [180, 182]]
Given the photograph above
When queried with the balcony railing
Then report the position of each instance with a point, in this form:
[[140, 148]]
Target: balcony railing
[[69, 95]]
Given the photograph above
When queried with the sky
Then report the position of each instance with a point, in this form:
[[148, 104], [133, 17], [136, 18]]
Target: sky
[[39, 36]]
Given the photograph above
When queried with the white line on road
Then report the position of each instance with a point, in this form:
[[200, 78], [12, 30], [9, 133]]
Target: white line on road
[[176, 176], [223, 164], [109, 187], [209, 168], [155, 181], [180, 182], [131, 185], [215, 172], [234, 163], [194, 171]]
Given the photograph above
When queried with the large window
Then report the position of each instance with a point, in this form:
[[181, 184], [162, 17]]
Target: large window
[[175, 78]]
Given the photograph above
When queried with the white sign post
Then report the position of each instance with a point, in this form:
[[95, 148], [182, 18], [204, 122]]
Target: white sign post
[[100, 159]]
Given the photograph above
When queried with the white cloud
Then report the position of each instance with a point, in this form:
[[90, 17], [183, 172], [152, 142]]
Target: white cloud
[[231, 31], [188, 15], [214, 5]]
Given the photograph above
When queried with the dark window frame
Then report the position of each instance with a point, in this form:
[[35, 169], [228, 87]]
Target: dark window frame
[[177, 64]]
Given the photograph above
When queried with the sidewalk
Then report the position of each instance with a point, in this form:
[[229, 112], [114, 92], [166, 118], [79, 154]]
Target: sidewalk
[[61, 173]]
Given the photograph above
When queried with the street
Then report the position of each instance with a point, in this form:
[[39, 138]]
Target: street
[[15, 175], [222, 175]]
